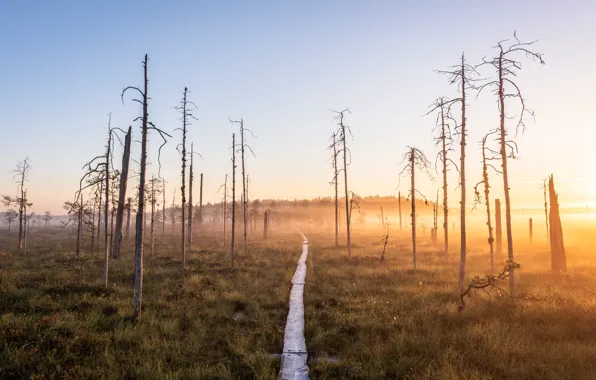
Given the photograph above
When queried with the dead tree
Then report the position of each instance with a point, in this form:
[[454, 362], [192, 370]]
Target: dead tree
[[146, 126], [414, 158], [557, 247], [504, 87], [461, 76], [341, 141], [102, 172], [242, 149], [488, 281], [544, 187], [46, 218], [185, 110], [445, 123], [334, 182], [106, 203], [233, 198], [485, 165], [20, 174], [122, 194]]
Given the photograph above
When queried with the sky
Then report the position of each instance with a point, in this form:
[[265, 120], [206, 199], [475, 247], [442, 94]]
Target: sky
[[282, 66]]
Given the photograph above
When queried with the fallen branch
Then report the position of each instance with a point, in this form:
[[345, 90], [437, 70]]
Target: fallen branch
[[488, 281]]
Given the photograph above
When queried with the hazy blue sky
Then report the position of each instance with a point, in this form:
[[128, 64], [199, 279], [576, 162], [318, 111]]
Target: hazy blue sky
[[281, 66]]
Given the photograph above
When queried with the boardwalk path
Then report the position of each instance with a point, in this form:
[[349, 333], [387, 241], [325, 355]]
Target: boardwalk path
[[293, 358]]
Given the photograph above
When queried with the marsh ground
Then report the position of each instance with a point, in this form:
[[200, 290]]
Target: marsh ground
[[364, 319]]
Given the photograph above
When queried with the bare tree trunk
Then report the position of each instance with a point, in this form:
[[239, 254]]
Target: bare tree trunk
[[343, 139], [413, 200], [530, 221], [243, 185], [382, 218], [106, 256], [190, 204], [557, 248], [22, 206], [445, 206], [335, 174], [233, 197], [503, 141], [487, 201], [138, 292], [122, 194], [462, 264], [183, 187], [25, 219]]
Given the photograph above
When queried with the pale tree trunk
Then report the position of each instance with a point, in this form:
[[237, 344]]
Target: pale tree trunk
[[138, 292], [163, 206], [183, 187], [445, 206], [345, 153], [487, 201], [106, 248], [462, 264], [122, 194], [413, 200], [334, 144], [25, 218], [557, 248], [99, 213], [243, 185], [503, 141], [233, 198], [22, 206]]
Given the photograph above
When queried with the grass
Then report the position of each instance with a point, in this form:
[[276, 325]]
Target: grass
[[363, 321]]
